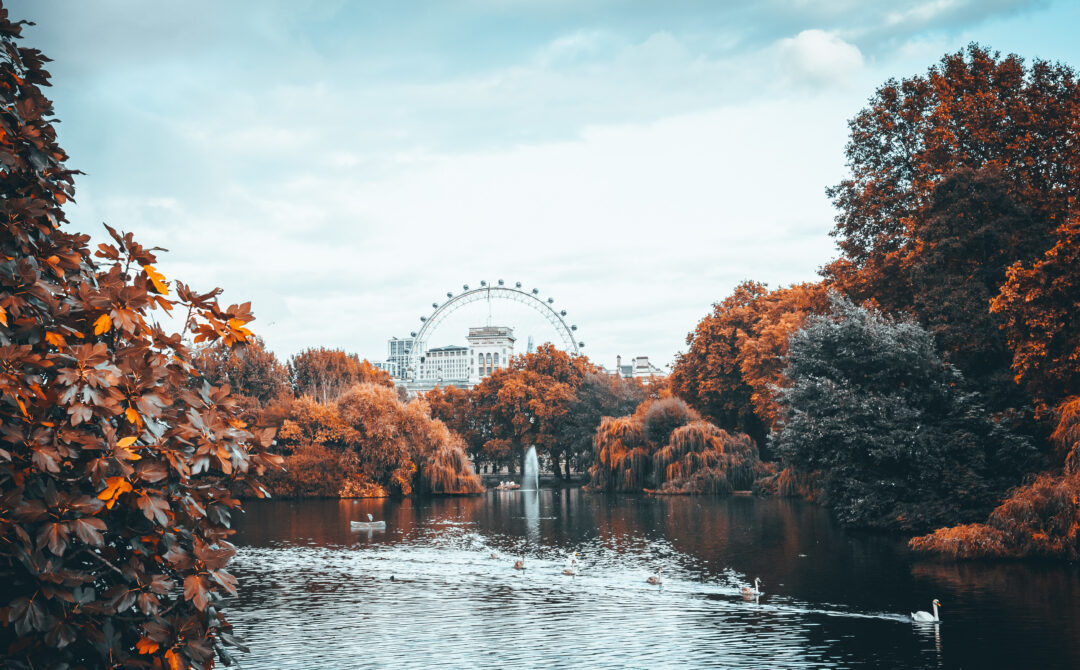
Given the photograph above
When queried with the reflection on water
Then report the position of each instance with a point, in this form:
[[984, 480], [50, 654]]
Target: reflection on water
[[316, 595]]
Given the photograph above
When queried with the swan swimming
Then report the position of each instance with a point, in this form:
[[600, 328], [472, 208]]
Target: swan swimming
[[751, 592], [571, 566], [656, 579], [926, 616]]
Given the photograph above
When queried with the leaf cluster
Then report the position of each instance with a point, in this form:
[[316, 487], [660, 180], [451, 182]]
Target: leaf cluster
[[116, 468]]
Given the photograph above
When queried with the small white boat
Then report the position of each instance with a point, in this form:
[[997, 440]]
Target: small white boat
[[370, 524]]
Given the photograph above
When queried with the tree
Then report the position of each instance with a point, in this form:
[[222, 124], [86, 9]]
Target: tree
[[325, 374], [971, 232], [528, 402], [898, 442], [972, 109], [253, 373], [734, 366], [116, 461], [1039, 307], [597, 396], [709, 376], [665, 445], [375, 445]]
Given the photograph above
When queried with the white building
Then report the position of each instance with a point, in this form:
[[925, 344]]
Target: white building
[[397, 356], [490, 348], [639, 367], [445, 364]]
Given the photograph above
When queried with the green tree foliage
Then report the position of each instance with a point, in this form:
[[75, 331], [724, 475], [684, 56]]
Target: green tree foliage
[[971, 232], [898, 442], [117, 463]]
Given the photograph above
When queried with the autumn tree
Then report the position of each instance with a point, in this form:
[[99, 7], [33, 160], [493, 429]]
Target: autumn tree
[[458, 409], [665, 447], [369, 443], [527, 403], [253, 373], [709, 376], [116, 461], [898, 441], [972, 109], [734, 365], [1039, 306], [598, 395], [971, 231], [325, 374]]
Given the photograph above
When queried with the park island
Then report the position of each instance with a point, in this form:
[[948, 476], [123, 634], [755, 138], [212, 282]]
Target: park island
[[872, 463]]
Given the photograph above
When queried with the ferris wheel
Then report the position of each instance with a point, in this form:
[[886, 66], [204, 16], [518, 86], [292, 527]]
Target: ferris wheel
[[500, 291]]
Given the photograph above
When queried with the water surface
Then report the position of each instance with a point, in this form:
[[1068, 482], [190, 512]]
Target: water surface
[[315, 595]]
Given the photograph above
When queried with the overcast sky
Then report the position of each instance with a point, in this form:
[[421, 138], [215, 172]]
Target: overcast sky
[[344, 164]]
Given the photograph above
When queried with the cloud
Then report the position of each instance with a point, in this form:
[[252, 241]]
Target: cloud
[[819, 58]]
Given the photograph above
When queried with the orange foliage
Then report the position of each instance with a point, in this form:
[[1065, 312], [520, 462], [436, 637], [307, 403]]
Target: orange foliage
[[118, 463], [1041, 519], [735, 360], [325, 374], [972, 109], [375, 445], [665, 445], [1038, 306]]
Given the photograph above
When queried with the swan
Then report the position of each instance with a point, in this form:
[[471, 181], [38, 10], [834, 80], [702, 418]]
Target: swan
[[571, 565], [519, 564], [656, 579], [494, 555], [751, 592], [926, 616]]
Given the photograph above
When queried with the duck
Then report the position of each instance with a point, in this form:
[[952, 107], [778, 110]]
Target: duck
[[751, 592], [571, 566], [519, 564], [494, 555], [656, 578], [926, 616]]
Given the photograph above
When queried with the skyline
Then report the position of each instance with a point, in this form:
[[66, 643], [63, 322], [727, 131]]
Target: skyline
[[385, 156]]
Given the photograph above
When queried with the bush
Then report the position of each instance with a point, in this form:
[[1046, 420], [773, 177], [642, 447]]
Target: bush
[[897, 441], [693, 456]]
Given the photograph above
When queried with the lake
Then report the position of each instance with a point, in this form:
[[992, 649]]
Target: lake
[[315, 595]]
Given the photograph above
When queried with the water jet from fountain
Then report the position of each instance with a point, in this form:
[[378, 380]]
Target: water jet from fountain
[[530, 479]]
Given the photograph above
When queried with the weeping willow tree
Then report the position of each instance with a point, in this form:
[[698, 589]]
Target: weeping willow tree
[[445, 469], [701, 458], [665, 447]]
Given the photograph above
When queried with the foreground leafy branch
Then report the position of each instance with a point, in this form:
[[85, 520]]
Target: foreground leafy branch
[[117, 461]]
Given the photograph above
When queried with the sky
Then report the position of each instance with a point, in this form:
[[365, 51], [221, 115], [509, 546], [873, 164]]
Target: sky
[[343, 165]]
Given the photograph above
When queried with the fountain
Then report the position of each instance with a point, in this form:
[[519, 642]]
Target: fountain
[[530, 479]]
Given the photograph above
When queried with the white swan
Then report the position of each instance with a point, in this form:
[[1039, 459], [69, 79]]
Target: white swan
[[494, 555], [571, 565], [655, 579], [751, 592], [926, 616]]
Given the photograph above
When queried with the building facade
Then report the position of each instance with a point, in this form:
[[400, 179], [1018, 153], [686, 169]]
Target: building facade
[[397, 356], [445, 364], [490, 348]]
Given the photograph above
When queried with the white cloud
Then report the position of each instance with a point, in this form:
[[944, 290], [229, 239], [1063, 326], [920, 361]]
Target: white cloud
[[819, 58]]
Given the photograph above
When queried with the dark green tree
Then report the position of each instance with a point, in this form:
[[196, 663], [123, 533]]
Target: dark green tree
[[898, 442]]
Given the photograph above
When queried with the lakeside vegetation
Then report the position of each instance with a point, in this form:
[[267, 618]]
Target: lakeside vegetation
[[929, 382]]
